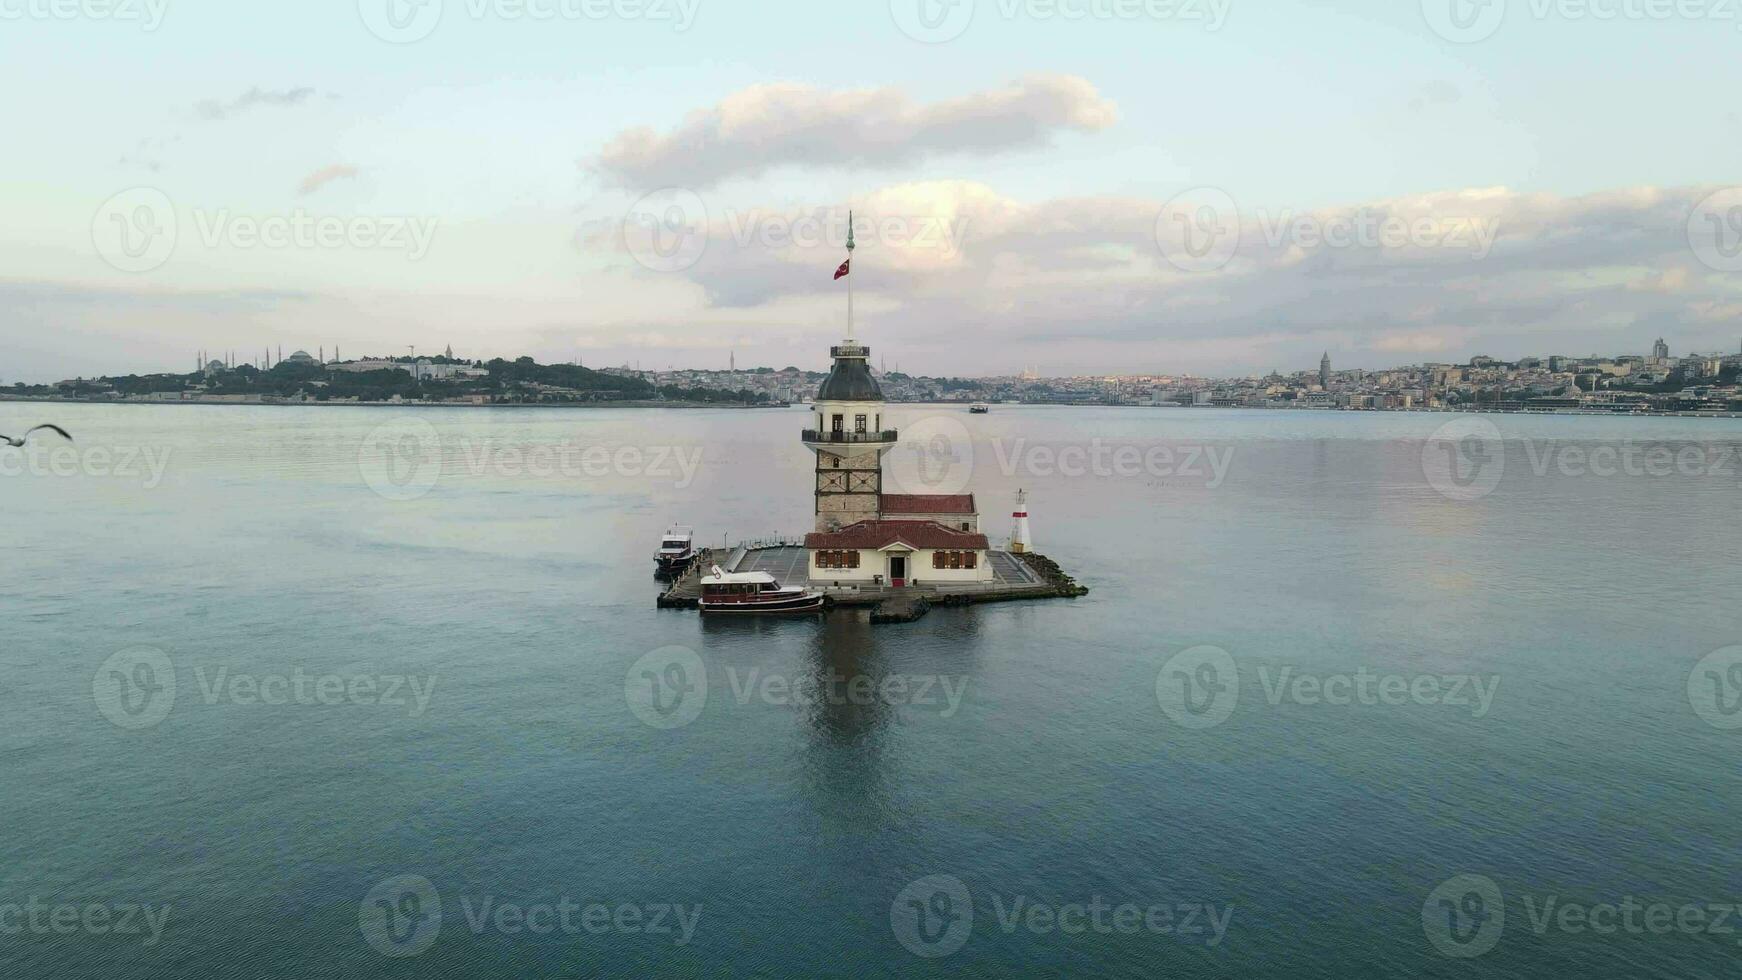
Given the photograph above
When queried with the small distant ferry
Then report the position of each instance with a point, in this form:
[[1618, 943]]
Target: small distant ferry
[[755, 593], [980, 408], [676, 550]]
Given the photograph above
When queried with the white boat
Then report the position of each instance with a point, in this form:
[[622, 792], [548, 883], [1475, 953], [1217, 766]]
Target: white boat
[[676, 549], [980, 408], [755, 593]]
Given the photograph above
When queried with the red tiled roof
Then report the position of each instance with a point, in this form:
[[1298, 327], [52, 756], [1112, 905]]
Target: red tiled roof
[[879, 534], [927, 503]]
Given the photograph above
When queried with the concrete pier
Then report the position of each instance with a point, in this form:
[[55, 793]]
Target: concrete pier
[[1016, 577]]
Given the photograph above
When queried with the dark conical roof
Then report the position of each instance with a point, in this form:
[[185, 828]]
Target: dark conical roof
[[850, 380]]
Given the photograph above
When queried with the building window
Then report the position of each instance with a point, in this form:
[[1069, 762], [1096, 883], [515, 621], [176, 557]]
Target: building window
[[859, 424], [837, 559], [840, 422], [955, 559]]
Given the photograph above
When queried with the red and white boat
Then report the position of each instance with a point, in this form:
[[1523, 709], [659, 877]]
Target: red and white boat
[[755, 593]]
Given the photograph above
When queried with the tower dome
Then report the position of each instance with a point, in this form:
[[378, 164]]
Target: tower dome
[[850, 379]]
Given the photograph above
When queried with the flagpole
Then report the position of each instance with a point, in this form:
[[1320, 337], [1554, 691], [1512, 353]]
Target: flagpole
[[849, 276]]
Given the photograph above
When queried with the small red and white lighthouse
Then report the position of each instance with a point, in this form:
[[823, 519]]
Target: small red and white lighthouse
[[1019, 540]]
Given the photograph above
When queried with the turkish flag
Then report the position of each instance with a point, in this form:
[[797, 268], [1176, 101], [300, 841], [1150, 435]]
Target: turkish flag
[[843, 269]]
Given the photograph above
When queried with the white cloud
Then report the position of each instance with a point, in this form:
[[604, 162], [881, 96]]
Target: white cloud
[[767, 126]]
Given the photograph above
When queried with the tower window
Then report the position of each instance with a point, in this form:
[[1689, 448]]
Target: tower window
[[859, 424], [839, 423]]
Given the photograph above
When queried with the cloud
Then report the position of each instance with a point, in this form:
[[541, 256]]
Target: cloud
[[214, 109], [1084, 282], [766, 126], [324, 176]]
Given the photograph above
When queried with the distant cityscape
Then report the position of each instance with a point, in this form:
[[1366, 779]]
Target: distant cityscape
[[1657, 381]]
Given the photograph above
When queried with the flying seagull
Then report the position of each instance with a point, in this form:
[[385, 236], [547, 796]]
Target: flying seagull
[[19, 442]]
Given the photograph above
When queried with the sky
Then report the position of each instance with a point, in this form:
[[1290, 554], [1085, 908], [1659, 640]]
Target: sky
[[1217, 187]]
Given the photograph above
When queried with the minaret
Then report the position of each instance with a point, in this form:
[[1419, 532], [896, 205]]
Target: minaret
[[848, 436], [1019, 540]]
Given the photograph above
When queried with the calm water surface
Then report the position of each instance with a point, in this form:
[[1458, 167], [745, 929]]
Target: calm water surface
[[515, 591]]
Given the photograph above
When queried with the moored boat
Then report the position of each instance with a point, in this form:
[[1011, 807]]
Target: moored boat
[[676, 550], [755, 593]]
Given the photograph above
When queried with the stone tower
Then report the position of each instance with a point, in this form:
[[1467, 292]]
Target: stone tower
[[849, 440]]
